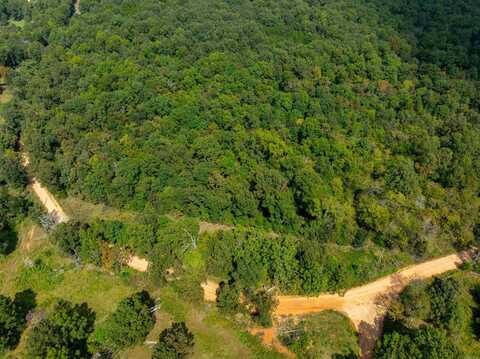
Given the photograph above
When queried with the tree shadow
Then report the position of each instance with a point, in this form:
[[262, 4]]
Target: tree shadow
[[444, 33], [368, 335], [25, 302], [8, 241], [345, 356]]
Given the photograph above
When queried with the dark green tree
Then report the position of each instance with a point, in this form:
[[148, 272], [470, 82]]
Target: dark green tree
[[12, 323], [175, 342], [261, 304], [445, 302], [228, 298], [130, 323], [63, 333], [11, 170], [67, 237]]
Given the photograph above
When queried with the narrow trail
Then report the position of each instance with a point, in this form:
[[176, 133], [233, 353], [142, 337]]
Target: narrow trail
[[45, 197], [77, 7], [366, 305], [53, 208]]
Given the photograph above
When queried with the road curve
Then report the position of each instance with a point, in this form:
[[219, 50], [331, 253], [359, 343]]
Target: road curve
[[367, 305]]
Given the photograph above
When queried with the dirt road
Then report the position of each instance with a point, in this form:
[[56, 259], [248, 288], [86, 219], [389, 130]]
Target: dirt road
[[137, 263], [53, 208], [77, 7], [46, 198], [366, 306], [49, 202], [363, 304]]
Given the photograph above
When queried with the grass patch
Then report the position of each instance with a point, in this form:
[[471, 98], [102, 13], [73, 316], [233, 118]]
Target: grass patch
[[215, 336], [322, 336], [52, 277], [468, 338], [19, 23], [86, 212], [38, 265], [6, 95]]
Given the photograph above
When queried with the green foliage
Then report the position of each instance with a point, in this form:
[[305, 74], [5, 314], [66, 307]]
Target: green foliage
[[260, 304], [129, 324], [251, 258], [11, 170], [173, 240], [12, 210], [445, 302], [416, 301], [400, 175], [228, 298], [446, 31], [425, 343], [327, 334], [13, 319], [67, 237], [93, 242], [63, 333], [175, 342], [429, 320], [11, 9], [260, 117]]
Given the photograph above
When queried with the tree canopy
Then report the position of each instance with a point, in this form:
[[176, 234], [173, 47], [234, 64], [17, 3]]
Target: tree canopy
[[175, 342], [293, 116], [432, 319], [63, 333], [129, 324]]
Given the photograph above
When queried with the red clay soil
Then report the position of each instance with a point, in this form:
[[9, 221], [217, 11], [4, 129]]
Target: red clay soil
[[366, 306]]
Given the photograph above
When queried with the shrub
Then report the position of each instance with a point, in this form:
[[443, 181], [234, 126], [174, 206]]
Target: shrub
[[130, 323], [12, 324], [62, 334], [175, 342]]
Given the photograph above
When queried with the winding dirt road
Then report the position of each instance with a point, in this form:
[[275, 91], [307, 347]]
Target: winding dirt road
[[45, 197], [366, 306], [56, 211]]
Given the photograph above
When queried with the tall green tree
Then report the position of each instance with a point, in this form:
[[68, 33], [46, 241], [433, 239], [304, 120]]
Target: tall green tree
[[175, 342], [130, 323], [12, 323], [63, 333]]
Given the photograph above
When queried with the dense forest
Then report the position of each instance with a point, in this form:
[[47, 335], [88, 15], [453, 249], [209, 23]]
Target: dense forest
[[434, 319], [340, 123], [337, 121], [340, 139]]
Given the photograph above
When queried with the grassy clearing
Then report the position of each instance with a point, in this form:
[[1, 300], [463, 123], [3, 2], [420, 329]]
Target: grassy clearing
[[38, 265], [467, 339], [322, 336], [85, 211], [51, 276], [215, 336]]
